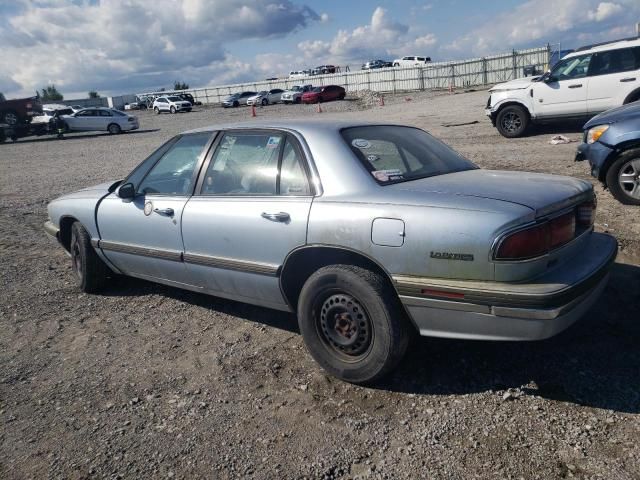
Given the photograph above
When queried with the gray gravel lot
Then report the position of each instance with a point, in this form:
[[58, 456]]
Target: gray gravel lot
[[146, 381]]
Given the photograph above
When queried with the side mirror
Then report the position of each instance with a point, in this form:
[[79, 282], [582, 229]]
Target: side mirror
[[127, 191], [550, 79]]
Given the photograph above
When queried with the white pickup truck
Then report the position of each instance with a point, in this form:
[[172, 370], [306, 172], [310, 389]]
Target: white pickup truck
[[584, 83]]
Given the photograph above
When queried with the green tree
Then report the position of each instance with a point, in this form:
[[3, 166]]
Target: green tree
[[51, 93], [177, 85], [94, 94]]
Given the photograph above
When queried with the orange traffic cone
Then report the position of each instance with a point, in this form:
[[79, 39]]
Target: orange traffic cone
[[319, 109], [253, 110]]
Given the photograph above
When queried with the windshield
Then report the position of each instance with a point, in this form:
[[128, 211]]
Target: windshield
[[174, 99], [394, 154], [317, 89], [264, 92], [297, 88]]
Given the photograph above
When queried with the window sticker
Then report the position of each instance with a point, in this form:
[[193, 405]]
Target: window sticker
[[387, 175], [273, 142], [373, 158], [361, 143]]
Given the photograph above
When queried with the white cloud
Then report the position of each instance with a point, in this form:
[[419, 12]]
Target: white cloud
[[548, 21], [324, 17], [119, 46], [604, 11], [382, 37]]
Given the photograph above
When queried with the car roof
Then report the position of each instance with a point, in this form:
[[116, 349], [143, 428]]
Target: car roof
[[599, 47], [301, 126]]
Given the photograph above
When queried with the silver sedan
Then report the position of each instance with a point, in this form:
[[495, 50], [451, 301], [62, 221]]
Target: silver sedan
[[370, 233]]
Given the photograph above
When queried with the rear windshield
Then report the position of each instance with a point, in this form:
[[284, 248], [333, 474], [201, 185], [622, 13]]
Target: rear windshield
[[394, 154]]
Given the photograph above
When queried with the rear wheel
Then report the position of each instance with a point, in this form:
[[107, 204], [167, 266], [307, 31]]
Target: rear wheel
[[352, 323], [298, 100], [341, 96], [172, 109], [114, 129], [11, 118], [90, 271], [623, 177], [512, 121], [157, 110]]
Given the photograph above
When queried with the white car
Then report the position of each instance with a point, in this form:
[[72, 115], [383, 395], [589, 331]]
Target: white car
[[49, 109], [100, 118], [584, 83], [294, 95], [266, 97], [299, 74], [171, 104], [411, 61]]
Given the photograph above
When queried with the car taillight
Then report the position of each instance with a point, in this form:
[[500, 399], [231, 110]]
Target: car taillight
[[562, 229], [587, 213], [527, 243]]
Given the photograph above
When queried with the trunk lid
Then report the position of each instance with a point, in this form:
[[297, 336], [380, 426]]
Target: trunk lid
[[540, 192]]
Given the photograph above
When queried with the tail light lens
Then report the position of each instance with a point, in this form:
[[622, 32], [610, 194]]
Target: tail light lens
[[544, 237], [587, 213], [527, 243]]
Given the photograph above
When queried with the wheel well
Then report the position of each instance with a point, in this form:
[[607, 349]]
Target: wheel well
[[509, 104], [302, 263], [65, 231], [620, 149], [632, 97]]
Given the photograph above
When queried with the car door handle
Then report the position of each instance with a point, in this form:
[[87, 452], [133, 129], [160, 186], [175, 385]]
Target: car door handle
[[164, 211], [276, 217], [576, 85], [628, 79]]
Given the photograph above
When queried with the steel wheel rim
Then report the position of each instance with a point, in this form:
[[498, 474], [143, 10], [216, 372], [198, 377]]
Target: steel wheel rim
[[511, 122], [11, 118], [344, 326], [76, 258], [629, 178]]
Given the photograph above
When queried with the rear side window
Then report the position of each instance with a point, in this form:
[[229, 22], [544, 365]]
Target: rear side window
[[394, 154], [615, 61]]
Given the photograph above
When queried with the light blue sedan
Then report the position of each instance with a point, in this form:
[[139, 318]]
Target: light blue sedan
[[371, 233]]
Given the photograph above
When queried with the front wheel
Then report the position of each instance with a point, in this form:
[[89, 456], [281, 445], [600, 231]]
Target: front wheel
[[172, 109], [157, 110], [236, 104], [265, 102], [90, 271], [512, 121], [623, 177], [352, 323]]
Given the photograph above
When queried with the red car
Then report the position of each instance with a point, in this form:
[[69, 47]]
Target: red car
[[324, 94]]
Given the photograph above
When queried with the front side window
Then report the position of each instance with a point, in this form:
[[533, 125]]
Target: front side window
[[570, 68], [394, 154], [173, 173]]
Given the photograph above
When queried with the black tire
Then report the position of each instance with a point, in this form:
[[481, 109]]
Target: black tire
[[90, 271], [341, 96], [299, 100], [172, 109], [114, 129], [340, 297], [10, 118], [236, 103], [157, 110], [265, 102], [512, 121], [625, 189]]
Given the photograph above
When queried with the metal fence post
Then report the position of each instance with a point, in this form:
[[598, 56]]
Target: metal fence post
[[514, 56], [485, 80]]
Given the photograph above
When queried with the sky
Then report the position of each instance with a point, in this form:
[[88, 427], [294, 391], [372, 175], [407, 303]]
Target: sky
[[129, 46]]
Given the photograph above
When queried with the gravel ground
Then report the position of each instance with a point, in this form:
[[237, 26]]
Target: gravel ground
[[149, 381]]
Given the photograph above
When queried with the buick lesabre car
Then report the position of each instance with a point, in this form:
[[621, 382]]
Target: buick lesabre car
[[369, 232]]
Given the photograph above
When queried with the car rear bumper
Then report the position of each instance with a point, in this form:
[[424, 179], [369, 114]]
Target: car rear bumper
[[509, 311], [596, 153]]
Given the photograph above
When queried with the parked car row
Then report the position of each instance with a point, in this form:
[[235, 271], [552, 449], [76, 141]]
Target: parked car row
[[297, 94], [406, 61]]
